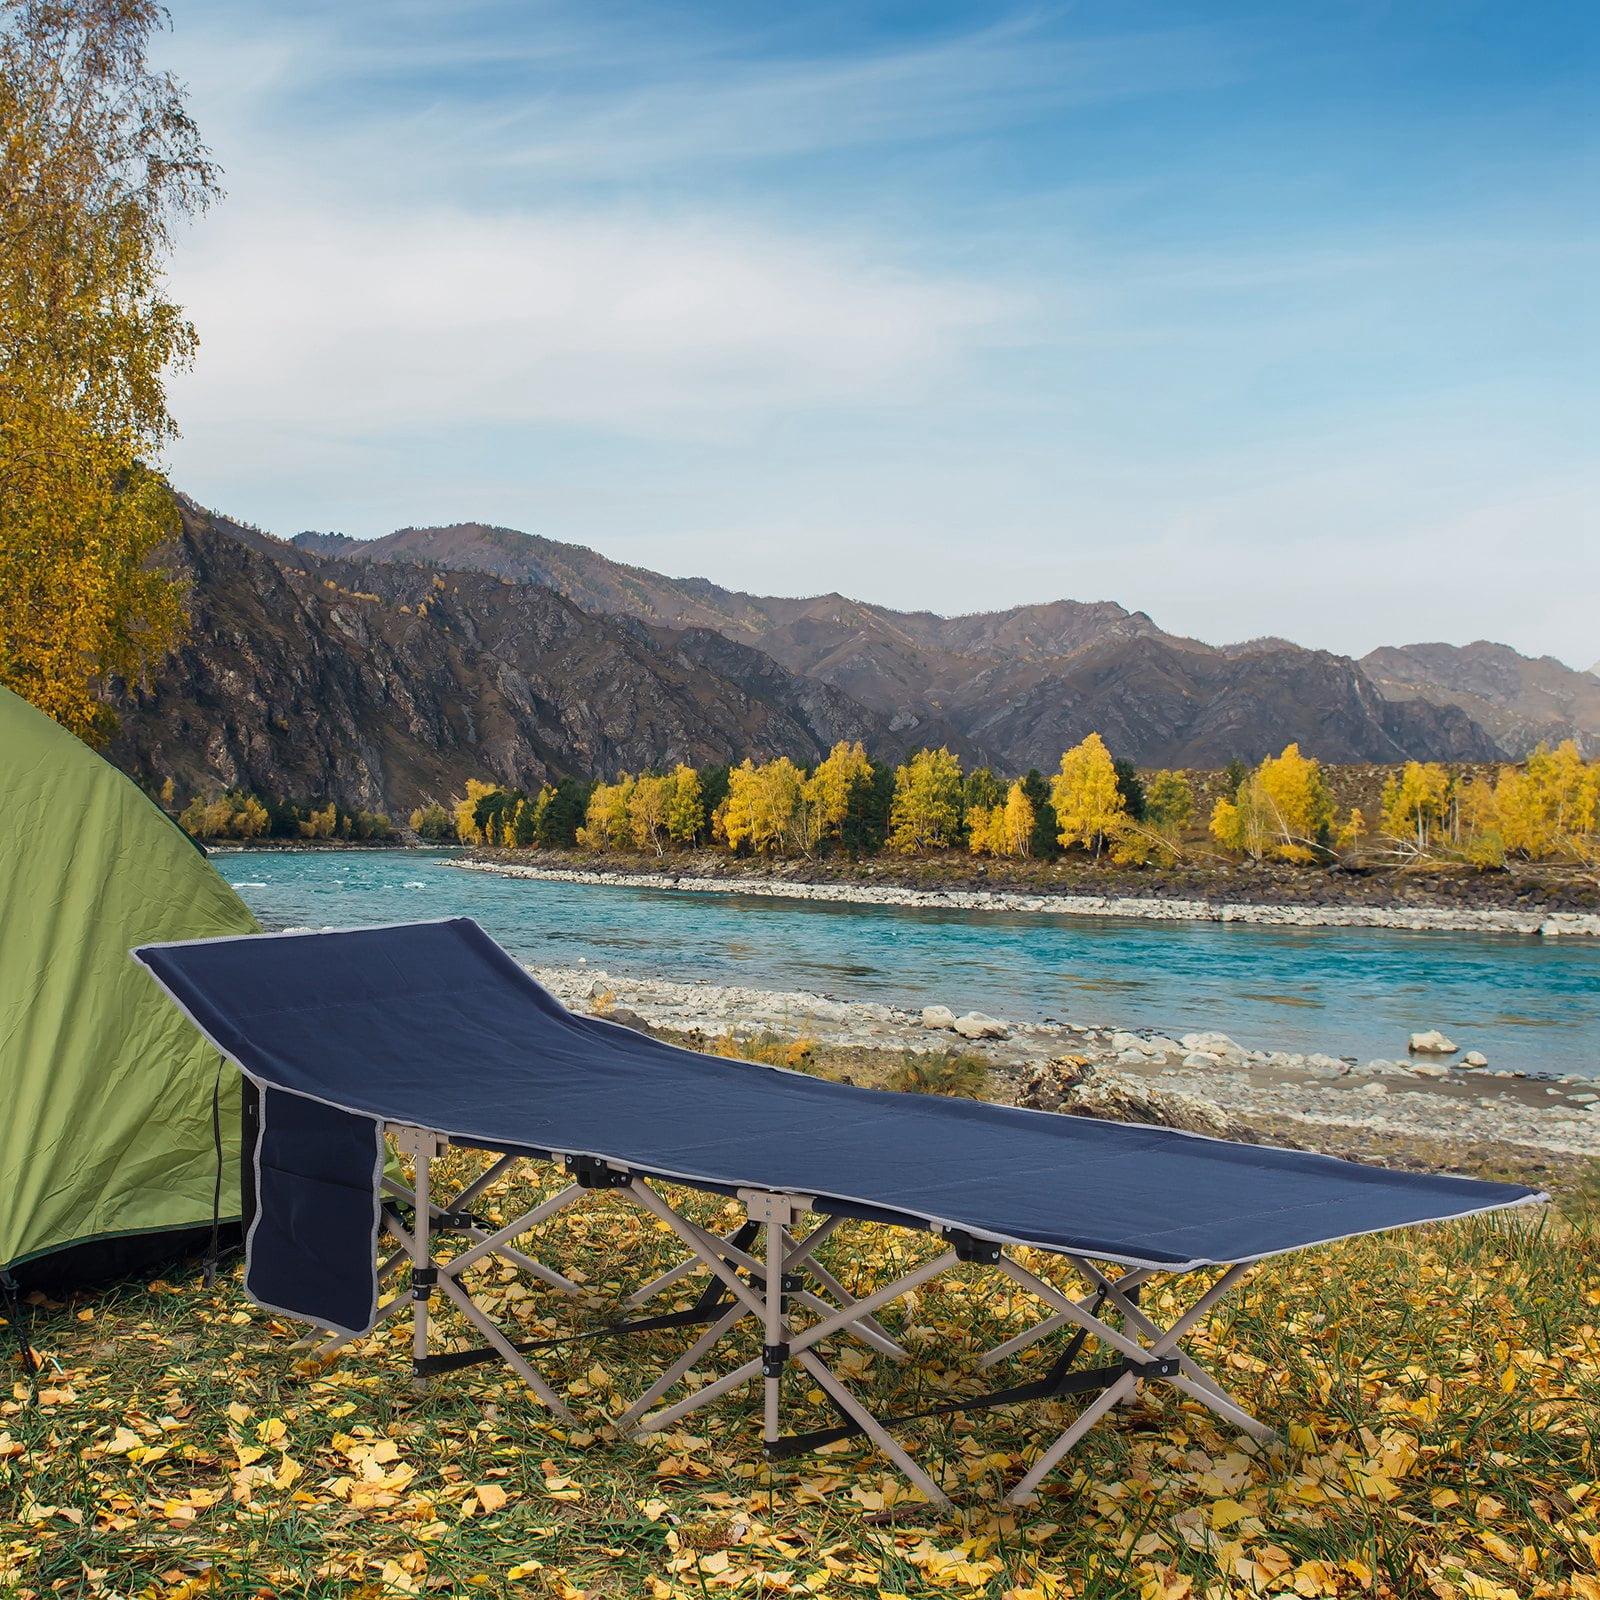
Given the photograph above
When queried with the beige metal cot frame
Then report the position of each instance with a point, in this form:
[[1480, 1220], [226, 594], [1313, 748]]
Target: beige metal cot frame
[[774, 1288]]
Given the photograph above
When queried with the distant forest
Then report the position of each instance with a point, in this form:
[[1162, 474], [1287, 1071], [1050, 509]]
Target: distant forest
[[1284, 809]]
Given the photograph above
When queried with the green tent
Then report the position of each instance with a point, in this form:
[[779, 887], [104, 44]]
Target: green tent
[[106, 1132]]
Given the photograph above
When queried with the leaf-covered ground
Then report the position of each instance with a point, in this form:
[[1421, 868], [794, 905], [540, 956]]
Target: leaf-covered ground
[[1439, 1391]]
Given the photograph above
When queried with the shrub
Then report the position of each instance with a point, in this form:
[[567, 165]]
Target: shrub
[[433, 824]]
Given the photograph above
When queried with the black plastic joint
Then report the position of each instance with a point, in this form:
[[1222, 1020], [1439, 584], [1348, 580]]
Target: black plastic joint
[[591, 1173], [423, 1282], [457, 1221], [983, 1251], [773, 1357], [792, 1282], [1161, 1367]]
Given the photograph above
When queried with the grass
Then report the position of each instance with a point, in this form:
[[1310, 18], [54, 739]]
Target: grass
[[1440, 1391], [958, 1073]]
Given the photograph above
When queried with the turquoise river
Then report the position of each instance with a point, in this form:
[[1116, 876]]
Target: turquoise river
[[1524, 1001]]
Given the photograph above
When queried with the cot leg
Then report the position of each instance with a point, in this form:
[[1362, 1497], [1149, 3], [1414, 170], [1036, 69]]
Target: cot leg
[[523, 1262], [1131, 1279], [1120, 1391], [684, 1364], [738, 1239], [874, 1430], [763, 1296], [868, 1330], [1160, 1359], [422, 1148], [1194, 1379], [775, 1214]]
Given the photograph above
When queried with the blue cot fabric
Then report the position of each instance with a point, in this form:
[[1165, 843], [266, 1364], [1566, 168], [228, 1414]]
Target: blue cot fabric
[[433, 1024]]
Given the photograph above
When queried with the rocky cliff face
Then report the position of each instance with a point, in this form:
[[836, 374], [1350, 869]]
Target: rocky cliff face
[[1170, 703], [1013, 687], [1521, 700], [380, 686], [383, 674]]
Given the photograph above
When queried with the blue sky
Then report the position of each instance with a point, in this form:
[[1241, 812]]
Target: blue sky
[[1264, 319]]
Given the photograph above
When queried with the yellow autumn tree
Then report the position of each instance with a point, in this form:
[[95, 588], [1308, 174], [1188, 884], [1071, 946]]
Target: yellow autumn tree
[[606, 823], [1283, 809], [323, 824], [521, 824], [765, 809], [1087, 799], [1168, 802], [234, 815], [99, 160], [250, 819], [1547, 808], [648, 808], [832, 787], [981, 829], [925, 813], [1416, 804], [686, 806], [432, 823], [1018, 822], [1567, 797], [1005, 829], [468, 828]]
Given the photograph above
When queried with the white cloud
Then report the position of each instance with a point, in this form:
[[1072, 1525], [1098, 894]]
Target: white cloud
[[361, 323]]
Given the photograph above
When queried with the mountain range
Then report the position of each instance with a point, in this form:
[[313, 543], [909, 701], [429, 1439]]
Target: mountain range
[[385, 671]]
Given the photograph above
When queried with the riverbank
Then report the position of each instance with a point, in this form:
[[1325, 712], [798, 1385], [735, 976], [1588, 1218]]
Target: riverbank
[[1422, 1112], [1267, 895]]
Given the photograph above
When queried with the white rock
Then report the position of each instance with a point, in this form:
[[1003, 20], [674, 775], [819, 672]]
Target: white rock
[[1474, 1058], [938, 1017], [1219, 1044], [1430, 1069], [975, 1025], [1165, 1047], [1431, 1043], [1128, 1041], [1199, 1058], [1373, 1090]]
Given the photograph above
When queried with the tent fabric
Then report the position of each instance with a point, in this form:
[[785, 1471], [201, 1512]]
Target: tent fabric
[[107, 1091], [435, 1026]]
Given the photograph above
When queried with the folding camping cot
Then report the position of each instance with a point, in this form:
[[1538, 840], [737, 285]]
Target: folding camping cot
[[432, 1033]]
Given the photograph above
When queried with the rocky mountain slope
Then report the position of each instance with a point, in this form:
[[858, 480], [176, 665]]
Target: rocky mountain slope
[[1011, 687], [382, 685], [1520, 700], [386, 673]]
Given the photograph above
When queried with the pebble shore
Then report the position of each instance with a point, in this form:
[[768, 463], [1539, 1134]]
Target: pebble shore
[[1322, 1096], [1462, 919]]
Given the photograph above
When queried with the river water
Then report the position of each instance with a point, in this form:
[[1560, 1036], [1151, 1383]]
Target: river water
[[1525, 1002]]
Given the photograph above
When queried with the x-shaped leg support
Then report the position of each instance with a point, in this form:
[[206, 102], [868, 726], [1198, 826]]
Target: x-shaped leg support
[[1150, 1351], [452, 1216], [765, 1291]]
